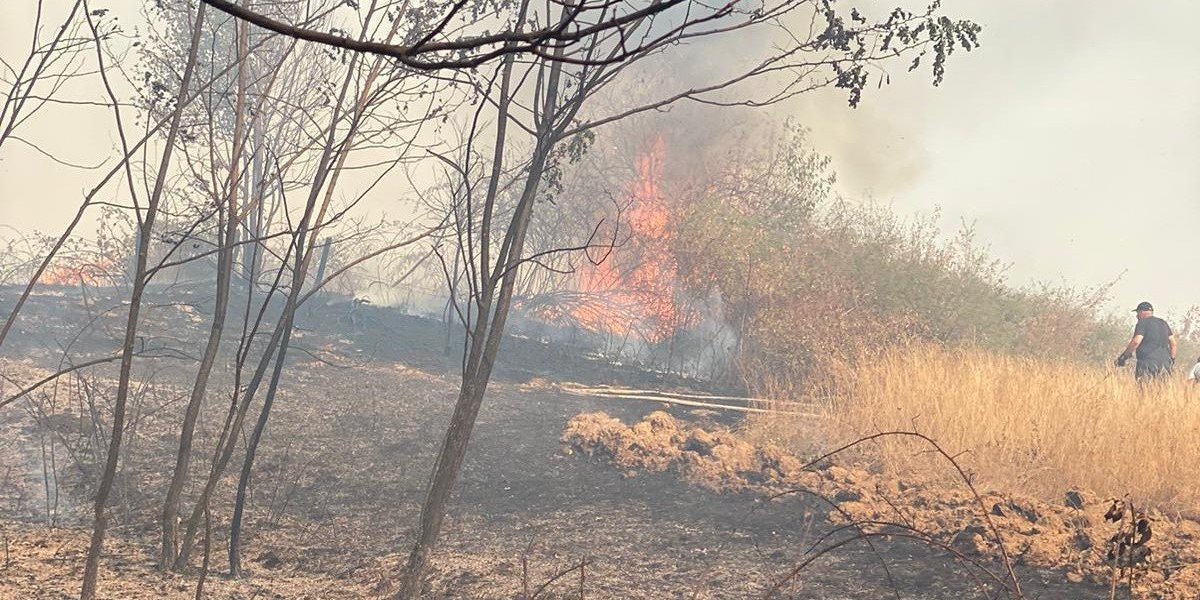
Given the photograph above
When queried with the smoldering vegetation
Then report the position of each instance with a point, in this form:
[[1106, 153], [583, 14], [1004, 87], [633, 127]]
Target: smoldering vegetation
[[511, 300]]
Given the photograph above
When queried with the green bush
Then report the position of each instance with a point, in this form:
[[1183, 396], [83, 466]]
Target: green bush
[[805, 277]]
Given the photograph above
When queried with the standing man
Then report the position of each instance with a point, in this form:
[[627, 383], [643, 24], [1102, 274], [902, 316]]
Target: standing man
[[1154, 344]]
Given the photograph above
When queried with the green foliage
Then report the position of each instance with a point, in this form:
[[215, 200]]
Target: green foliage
[[906, 31], [805, 277], [563, 155]]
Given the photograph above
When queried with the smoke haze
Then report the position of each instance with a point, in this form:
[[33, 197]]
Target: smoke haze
[[1069, 139]]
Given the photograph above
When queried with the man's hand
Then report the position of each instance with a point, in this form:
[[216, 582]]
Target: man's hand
[[1130, 348]]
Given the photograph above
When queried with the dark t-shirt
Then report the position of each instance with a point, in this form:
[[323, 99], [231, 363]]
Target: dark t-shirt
[[1154, 346]]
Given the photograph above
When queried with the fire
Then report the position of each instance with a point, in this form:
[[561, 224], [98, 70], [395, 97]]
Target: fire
[[78, 273], [632, 290]]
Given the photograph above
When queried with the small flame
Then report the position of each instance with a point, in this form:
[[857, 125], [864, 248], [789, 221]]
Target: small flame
[[78, 273]]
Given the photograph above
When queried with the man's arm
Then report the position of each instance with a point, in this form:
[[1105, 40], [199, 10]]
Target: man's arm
[[1137, 341], [1174, 346], [1129, 349]]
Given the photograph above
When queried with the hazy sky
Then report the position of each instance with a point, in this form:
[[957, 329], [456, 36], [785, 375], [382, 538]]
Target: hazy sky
[[1071, 139]]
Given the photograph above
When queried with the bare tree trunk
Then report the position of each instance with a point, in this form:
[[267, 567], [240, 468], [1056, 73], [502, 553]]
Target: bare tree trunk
[[237, 412], [224, 451], [322, 263], [225, 260], [277, 347], [207, 554], [100, 521], [448, 312], [326, 180], [229, 436], [466, 410], [489, 326], [287, 320], [258, 177], [239, 506]]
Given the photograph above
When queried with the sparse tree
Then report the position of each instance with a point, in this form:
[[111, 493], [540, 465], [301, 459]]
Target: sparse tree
[[146, 219], [575, 51]]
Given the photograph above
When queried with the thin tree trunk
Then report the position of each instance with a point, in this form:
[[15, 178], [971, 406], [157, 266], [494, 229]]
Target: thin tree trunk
[[100, 521], [322, 264], [207, 554], [255, 200], [224, 451], [489, 326], [225, 260], [448, 312], [227, 441], [235, 527], [326, 179], [229, 435]]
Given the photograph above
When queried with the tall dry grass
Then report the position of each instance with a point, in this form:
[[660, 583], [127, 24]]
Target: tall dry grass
[[1025, 425]]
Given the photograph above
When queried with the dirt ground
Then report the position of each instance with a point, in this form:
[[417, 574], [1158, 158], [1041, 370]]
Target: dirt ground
[[1087, 536], [342, 470]]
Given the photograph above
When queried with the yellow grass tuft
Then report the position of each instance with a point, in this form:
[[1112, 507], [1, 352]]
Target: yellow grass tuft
[[1026, 425]]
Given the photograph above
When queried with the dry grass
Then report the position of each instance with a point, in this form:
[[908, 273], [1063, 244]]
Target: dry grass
[[1024, 425]]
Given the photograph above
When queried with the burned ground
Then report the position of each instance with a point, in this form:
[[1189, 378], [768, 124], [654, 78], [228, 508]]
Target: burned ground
[[342, 473]]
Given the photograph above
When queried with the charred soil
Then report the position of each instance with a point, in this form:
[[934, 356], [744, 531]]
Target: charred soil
[[342, 471]]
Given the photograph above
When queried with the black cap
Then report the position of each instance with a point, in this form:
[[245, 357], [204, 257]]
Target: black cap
[[1143, 306]]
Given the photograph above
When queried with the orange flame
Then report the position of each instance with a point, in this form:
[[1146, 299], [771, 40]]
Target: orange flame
[[632, 290], [90, 274]]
